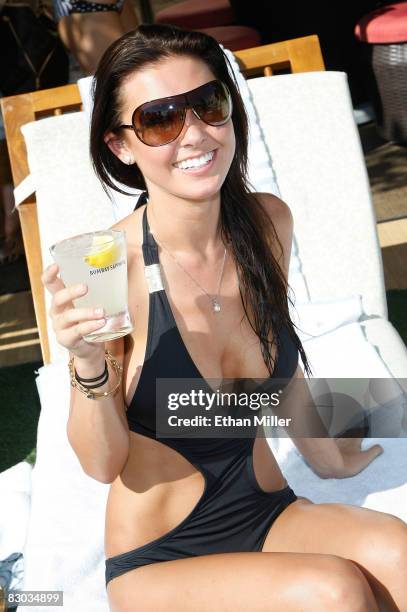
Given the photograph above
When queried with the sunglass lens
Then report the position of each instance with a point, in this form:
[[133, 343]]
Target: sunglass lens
[[159, 124], [213, 104]]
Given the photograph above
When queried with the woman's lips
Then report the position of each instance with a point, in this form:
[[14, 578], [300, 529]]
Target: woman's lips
[[201, 169]]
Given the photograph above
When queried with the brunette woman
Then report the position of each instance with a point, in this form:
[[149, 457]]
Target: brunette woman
[[193, 523]]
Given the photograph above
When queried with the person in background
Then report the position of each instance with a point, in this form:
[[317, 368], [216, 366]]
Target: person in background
[[33, 59], [87, 29]]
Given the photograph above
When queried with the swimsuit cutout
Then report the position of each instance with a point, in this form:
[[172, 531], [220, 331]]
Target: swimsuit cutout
[[233, 514]]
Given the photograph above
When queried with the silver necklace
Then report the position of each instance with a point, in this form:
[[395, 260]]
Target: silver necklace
[[216, 306]]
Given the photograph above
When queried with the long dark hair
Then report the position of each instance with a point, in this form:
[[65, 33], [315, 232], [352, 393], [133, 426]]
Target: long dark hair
[[244, 223]]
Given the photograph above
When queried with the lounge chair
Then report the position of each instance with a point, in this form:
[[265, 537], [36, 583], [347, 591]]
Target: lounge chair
[[307, 146]]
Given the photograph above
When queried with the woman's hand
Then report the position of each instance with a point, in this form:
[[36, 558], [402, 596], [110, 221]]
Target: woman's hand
[[328, 457], [354, 458], [336, 457], [69, 323]]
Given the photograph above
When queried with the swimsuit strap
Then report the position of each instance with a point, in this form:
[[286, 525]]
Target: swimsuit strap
[[142, 199], [160, 309], [150, 247]]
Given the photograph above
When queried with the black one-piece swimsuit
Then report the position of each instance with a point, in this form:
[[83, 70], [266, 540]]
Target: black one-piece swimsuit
[[233, 514]]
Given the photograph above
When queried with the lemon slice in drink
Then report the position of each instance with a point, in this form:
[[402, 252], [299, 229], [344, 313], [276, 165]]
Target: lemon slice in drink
[[105, 253]]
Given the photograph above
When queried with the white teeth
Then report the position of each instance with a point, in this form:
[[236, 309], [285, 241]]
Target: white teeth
[[195, 162]]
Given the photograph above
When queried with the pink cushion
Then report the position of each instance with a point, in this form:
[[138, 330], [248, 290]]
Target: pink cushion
[[195, 14], [387, 24], [234, 38]]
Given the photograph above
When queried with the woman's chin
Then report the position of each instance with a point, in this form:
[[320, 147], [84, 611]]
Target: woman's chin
[[202, 192]]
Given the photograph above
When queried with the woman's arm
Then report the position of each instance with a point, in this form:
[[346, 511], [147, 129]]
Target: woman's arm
[[327, 457], [97, 429]]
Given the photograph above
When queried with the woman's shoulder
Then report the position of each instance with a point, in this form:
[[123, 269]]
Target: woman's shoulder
[[282, 220], [278, 211]]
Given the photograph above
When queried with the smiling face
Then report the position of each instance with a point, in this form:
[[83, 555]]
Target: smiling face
[[193, 166]]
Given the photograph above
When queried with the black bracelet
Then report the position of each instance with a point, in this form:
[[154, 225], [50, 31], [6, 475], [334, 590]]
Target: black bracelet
[[96, 395], [100, 384], [91, 380]]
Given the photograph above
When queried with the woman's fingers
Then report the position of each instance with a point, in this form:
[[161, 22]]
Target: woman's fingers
[[374, 451], [77, 315], [66, 295], [72, 324], [70, 336], [62, 296], [356, 461], [369, 455], [50, 279]]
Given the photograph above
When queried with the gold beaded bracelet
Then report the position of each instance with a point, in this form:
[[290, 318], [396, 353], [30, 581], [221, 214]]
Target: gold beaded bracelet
[[117, 368]]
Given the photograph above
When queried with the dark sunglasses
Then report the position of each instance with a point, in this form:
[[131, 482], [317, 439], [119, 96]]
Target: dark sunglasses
[[159, 122]]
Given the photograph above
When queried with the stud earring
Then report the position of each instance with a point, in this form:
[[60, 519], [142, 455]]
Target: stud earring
[[129, 160]]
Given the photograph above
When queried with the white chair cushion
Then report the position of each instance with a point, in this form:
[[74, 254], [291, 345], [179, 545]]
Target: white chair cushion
[[70, 199], [308, 126]]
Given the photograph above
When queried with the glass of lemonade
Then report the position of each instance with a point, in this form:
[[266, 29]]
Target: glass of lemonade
[[98, 259]]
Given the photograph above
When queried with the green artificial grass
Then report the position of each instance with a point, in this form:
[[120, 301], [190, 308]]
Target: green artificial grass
[[20, 409], [397, 307], [20, 406]]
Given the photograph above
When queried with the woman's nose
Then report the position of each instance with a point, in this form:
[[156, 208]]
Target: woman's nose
[[194, 129]]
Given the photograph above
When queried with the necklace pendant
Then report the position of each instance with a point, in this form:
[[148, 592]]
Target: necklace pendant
[[215, 305]]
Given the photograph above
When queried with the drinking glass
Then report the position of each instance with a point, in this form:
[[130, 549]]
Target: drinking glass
[[98, 259]]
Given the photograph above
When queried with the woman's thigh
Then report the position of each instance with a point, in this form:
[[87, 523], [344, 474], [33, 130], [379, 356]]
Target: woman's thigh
[[240, 582], [335, 529], [375, 541]]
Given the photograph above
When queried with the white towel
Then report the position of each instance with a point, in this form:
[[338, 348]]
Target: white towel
[[64, 546], [261, 172], [15, 488], [320, 317], [381, 486], [344, 353]]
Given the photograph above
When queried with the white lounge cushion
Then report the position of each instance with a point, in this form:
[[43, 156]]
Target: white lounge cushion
[[309, 128], [70, 199]]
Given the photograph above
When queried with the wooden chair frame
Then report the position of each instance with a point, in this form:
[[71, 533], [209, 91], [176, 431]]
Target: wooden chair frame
[[297, 55]]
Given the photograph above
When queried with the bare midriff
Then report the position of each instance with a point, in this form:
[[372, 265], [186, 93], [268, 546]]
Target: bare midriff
[[158, 488]]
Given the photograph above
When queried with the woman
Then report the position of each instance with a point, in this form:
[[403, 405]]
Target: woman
[[203, 524]]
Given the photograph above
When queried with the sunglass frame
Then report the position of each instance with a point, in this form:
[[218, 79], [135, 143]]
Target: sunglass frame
[[187, 103]]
